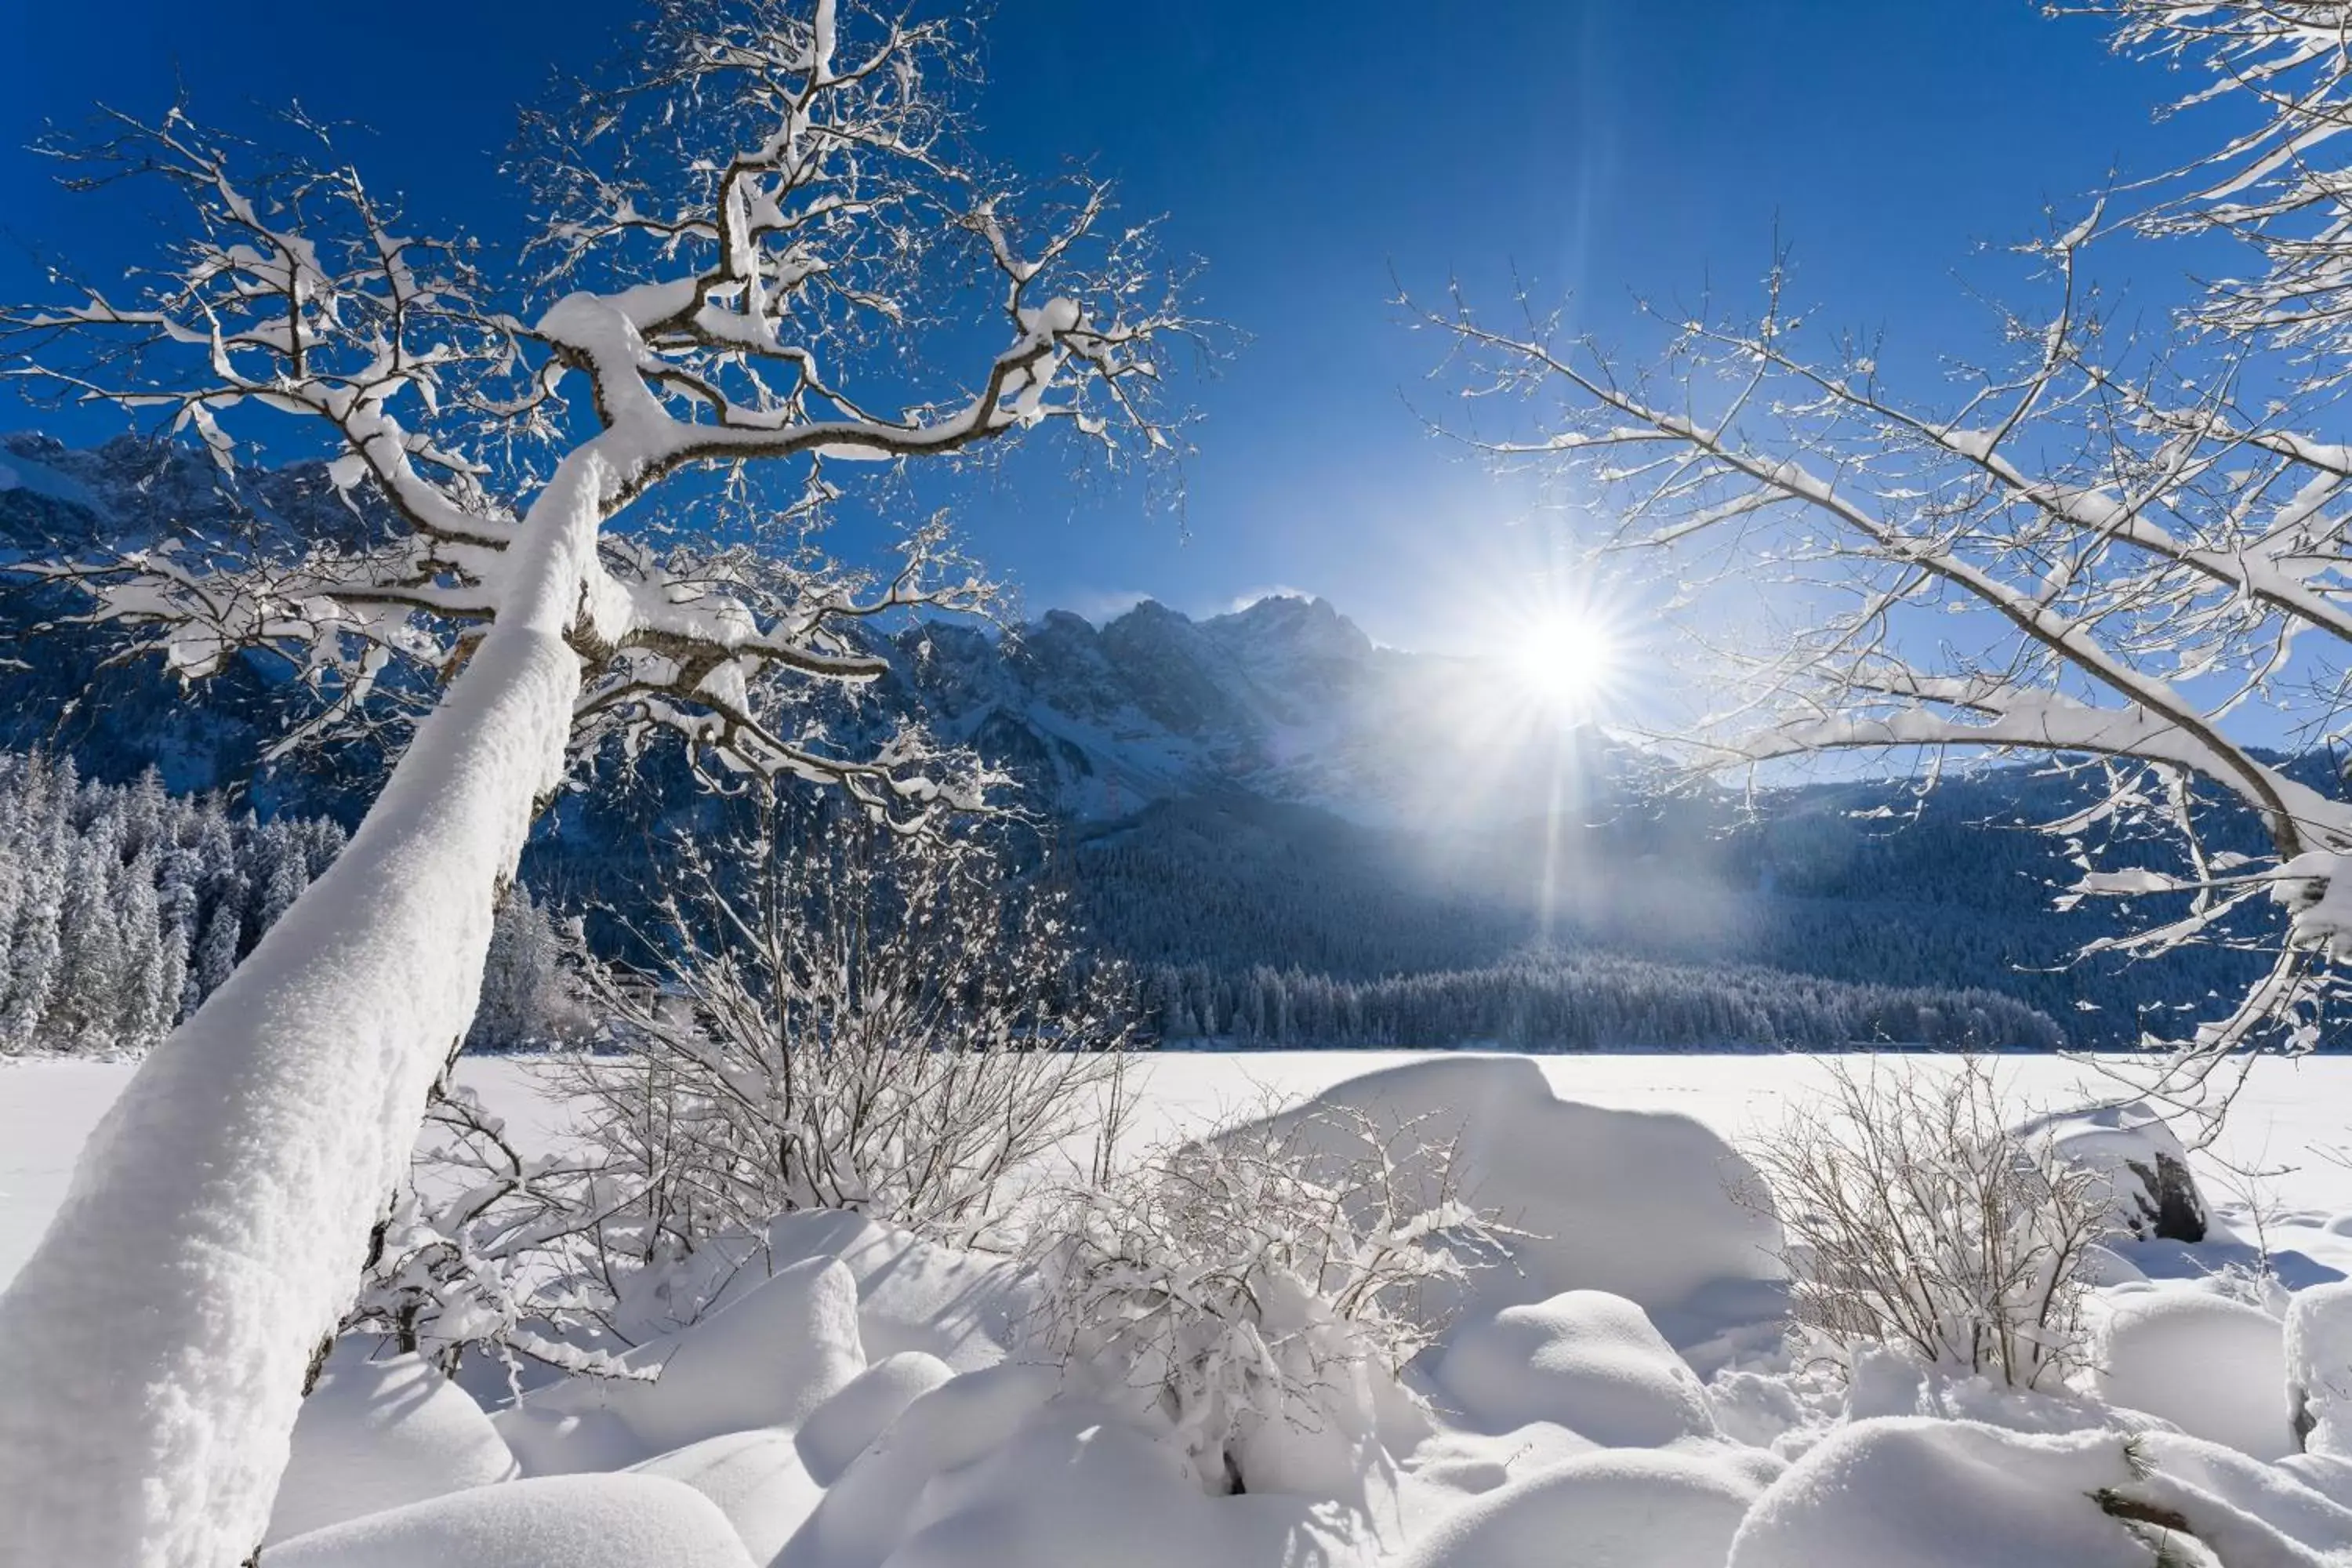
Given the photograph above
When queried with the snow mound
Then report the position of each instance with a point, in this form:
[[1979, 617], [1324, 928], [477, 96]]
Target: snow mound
[[1627, 1509], [1588, 1360], [2151, 1190], [548, 1441], [1942, 1494], [2317, 1347], [1083, 1490], [756, 1478], [376, 1435], [2218, 1487], [767, 1359], [912, 1294], [866, 1514], [1638, 1204], [841, 1429], [566, 1521], [2213, 1367]]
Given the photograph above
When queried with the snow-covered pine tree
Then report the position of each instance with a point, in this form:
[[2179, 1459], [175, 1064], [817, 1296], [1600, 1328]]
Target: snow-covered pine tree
[[524, 1002], [141, 1013], [85, 1004]]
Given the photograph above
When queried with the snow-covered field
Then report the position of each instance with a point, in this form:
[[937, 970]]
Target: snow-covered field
[[2293, 1114], [1612, 1399]]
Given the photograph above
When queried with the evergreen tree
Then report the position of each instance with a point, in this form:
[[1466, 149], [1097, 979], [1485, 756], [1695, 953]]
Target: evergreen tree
[[84, 1006], [216, 954], [522, 1000]]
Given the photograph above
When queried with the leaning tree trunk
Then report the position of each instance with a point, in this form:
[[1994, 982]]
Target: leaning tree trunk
[[153, 1348]]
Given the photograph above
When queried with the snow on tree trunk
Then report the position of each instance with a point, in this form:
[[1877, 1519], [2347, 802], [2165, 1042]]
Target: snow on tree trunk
[[155, 1345], [152, 1348]]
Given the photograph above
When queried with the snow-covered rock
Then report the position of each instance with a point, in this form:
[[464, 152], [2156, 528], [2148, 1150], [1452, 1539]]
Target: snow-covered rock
[[2153, 1193], [1638, 1204], [2213, 1367], [1587, 1361], [1622, 1509], [2317, 1348], [841, 1429], [756, 1478], [768, 1358], [376, 1435], [1923, 1494], [563, 1522]]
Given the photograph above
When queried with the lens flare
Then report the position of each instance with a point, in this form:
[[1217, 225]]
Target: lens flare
[[1567, 659]]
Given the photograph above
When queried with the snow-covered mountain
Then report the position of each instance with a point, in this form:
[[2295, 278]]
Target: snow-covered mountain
[[1288, 699], [126, 492], [1268, 787]]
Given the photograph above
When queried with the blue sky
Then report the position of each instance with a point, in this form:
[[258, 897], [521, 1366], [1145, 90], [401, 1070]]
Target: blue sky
[[1307, 150]]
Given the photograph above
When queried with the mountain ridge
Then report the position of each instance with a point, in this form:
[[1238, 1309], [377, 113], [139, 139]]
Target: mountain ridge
[[1285, 697], [1268, 787]]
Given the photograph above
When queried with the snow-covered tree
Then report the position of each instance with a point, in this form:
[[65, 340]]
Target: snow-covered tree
[[86, 1001], [39, 843], [2103, 546], [749, 222], [102, 889]]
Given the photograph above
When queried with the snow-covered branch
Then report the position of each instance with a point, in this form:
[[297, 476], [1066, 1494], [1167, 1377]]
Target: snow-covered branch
[[757, 222], [2103, 548]]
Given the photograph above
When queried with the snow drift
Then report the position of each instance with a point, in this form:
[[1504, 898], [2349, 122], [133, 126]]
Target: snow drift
[[376, 1435], [1636, 1204]]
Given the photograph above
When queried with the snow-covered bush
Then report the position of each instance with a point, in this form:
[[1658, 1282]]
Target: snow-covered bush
[[1915, 1216], [484, 1249], [1247, 1283], [868, 1023], [865, 1021]]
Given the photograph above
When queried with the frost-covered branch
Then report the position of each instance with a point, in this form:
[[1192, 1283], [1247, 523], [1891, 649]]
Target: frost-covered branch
[[757, 222], [2099, 549], [723, 333]]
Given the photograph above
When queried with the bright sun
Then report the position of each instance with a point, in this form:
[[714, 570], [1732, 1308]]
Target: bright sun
[[1567, 659]]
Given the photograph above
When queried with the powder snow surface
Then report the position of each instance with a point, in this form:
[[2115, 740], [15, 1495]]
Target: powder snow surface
[[568, 1521], [2290, 1113], [377, 1434], [864, 1399], [1587, 1361]]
